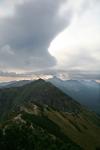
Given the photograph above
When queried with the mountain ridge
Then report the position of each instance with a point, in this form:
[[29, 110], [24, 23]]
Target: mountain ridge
[[86, 92], [42, 104]]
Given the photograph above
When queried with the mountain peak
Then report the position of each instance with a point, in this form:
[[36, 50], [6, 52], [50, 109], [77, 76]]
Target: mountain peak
[[40, 80], [39, 92]]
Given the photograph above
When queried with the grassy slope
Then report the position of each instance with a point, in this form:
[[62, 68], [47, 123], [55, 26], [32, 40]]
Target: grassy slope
[[36, 129], [80, 125], [39, 92], [81, 128]]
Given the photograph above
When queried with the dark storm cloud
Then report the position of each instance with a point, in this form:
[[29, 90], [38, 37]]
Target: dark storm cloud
[[25, 37]]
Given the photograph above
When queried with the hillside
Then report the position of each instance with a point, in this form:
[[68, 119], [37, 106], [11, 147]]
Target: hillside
[[86, 92], [14, 84], [30, 128], [53, 117], [39, 92]]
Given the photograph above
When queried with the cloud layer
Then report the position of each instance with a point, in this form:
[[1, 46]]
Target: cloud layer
[[78, 46], [26, 34], [27, 27]]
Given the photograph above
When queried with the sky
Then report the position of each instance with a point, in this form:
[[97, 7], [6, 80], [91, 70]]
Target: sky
[[49, 37]]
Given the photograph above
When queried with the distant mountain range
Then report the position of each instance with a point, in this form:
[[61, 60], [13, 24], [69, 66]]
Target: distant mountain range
[[14, 83], [39, 115], [87, 92]]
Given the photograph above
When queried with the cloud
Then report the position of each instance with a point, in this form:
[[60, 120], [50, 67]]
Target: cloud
[[11, 74], [27, 27], [49, 73], [26, 34], [78, 46], [7, 7]]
